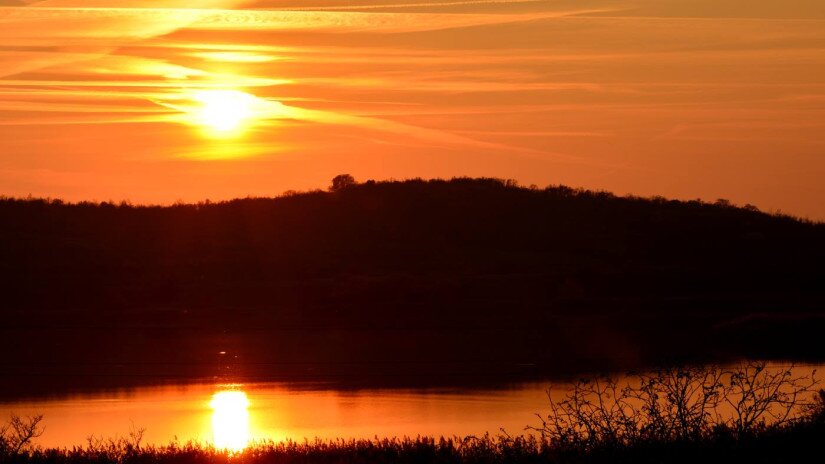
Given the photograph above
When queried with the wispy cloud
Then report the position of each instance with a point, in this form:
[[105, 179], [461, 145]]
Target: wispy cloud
[[136, 23], [391, 5]]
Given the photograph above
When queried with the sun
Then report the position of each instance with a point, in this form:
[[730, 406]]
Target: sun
[[230, 420], [224, 112]]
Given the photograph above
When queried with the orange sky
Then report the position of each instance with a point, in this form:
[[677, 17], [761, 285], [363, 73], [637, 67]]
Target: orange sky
[[690, 99]]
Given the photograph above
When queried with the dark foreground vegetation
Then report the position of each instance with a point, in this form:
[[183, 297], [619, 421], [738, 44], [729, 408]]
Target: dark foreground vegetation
[[394, 282], [710, 415]]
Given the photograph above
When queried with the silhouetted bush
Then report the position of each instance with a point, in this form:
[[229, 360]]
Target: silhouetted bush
[[680, 405]]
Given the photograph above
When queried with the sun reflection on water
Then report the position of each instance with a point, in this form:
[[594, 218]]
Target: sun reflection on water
[[230, 420]]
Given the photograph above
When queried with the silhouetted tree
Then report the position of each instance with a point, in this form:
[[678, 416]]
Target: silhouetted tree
[[16, 436], [342, 181]]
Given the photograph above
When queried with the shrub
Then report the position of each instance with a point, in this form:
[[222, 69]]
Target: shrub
[[678, 405]]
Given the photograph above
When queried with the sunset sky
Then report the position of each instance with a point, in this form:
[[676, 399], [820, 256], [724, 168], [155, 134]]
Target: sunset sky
[[153, 102]]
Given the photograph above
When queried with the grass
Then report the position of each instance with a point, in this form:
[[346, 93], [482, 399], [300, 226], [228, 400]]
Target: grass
[[797, 442]]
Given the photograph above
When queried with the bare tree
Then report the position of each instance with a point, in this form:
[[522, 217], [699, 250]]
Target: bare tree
[[759, 396], [18, 434], [677, 404]]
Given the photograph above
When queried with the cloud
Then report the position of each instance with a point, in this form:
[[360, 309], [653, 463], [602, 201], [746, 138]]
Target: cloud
[[52, 23], [391, 5], [36, 25], [155, 4], [407, 131]]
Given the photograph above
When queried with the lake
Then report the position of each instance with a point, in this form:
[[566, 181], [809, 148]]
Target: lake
[[233, 415]]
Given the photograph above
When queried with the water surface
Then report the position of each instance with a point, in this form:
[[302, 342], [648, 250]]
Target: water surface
[[232, 415]]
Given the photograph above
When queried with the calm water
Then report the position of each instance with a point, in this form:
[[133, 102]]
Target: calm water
[[230, 416]]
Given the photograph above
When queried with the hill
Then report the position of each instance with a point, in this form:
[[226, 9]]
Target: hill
[[387, 282]]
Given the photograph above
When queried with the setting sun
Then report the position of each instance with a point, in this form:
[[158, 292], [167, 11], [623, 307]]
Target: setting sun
[[230, 420], [224, 112]]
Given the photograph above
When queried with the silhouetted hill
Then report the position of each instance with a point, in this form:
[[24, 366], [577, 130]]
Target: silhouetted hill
[[388, 280]]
